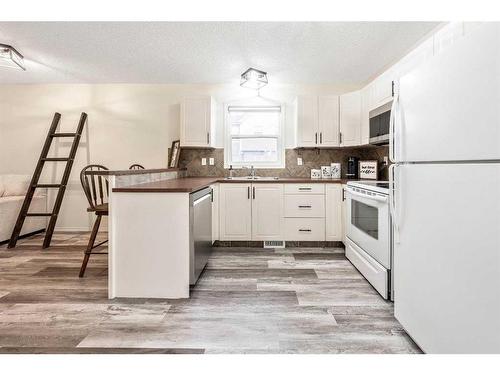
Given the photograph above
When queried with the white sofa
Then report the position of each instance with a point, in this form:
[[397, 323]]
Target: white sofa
[[12, 191]]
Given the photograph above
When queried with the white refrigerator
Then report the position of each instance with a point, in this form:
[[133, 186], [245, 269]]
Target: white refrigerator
[[445, 201]]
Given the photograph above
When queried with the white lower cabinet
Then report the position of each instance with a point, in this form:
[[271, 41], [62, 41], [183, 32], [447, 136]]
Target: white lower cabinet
[[333, 230], [304, 229], [215, 212], [251, 212], [235, 212], [273, 211], [302, 205], [267, 212]]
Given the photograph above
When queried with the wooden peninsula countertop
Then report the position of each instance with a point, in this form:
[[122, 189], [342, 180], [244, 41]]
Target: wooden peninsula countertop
[[192, 184]]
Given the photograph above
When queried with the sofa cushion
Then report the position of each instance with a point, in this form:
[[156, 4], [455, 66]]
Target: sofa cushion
[[15, 185]]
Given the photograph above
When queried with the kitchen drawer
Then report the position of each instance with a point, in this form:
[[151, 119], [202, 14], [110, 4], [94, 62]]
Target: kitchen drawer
[[305, 188], [374, 272], [304, 205], [304, 229]]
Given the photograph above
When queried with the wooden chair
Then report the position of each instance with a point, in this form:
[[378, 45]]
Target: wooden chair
[[136, 166], [96, 189]]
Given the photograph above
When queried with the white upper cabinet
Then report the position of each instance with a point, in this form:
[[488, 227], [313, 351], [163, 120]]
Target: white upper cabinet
[[267, 212], [350, 119], [448, 35], [307, 121], [382, 88], [365, 115], [197, 122], [328, 121], [317, 121], [414, 59]]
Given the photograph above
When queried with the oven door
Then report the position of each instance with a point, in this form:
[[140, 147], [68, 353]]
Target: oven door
[[368, 224]]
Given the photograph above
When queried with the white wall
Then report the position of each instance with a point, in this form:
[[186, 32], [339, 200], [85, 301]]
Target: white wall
[[127, 124]]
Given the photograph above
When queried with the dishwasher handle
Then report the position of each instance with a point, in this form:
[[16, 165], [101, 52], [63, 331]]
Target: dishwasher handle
[[199, 200]]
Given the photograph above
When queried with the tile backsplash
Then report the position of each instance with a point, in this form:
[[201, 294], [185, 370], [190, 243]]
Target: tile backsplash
[[311, 159]]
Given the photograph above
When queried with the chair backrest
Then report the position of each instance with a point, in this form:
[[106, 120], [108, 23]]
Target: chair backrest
[[136, 166], [95, 187]]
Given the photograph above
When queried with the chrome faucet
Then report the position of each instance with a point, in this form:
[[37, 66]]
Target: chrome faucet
[[252, 171]]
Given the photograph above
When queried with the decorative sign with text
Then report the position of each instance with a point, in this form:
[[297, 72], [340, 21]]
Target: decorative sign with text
[[368, 169]]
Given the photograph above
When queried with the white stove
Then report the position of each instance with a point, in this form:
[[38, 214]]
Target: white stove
[[376, 186], [368, 230]]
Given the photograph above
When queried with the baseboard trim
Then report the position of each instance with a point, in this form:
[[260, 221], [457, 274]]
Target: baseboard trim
[[292, 244]]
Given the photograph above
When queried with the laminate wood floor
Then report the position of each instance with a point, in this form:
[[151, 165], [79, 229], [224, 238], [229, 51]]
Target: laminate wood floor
[[248, 300]]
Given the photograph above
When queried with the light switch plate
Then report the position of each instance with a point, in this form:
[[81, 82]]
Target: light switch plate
[[211, 161], [299, 161], [203, 161]]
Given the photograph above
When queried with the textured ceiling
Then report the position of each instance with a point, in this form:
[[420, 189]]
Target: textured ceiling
[[206, 52]]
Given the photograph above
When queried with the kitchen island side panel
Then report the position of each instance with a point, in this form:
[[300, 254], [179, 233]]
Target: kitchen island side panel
[[150, 236]]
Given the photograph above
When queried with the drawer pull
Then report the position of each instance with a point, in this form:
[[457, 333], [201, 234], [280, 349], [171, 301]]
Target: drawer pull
[[304, 230], [305, 206], [304, 188]]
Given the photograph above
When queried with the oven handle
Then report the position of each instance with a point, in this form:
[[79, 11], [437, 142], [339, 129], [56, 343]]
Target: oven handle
[[378, 198]]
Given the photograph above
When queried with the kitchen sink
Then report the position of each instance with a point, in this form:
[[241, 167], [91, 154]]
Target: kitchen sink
[[246, 178]]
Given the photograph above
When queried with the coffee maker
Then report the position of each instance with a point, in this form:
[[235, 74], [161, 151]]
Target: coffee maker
[[352, 167]]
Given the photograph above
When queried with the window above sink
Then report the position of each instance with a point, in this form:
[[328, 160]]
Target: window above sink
[[254, 135]]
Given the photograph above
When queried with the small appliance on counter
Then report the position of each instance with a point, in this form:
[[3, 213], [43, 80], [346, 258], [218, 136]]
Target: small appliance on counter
[[352, 168]]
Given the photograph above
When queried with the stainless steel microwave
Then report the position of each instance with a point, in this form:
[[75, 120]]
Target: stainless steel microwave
[[379, 124]]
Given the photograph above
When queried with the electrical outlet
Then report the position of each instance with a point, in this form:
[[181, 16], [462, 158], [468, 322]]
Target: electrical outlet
[[203, 161], [211, 161], [386, 160], [299, 161]]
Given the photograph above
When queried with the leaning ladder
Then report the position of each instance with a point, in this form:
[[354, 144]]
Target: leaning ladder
[[36, 177]]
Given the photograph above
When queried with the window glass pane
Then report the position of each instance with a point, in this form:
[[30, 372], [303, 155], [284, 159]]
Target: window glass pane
[[254, 150], [255, 123]]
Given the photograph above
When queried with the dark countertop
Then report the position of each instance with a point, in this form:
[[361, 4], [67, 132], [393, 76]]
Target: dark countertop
[[125, 172], [192, 184]]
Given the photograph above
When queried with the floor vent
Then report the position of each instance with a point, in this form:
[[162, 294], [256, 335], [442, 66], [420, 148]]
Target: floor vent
[[274, 244]]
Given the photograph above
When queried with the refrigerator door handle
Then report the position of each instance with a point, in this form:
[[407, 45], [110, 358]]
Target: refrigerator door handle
[[392, 125], [392, 202]]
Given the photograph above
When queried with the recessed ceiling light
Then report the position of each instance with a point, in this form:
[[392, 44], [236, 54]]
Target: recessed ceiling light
[[253, 79], [10, 57]]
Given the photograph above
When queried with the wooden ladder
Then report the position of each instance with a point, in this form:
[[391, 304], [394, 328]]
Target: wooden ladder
[[36, 177]]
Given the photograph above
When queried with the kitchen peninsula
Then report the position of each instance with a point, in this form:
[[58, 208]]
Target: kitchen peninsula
[[151, 250]]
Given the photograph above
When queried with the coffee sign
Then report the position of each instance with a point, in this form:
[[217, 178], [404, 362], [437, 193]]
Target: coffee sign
[[368, 169]]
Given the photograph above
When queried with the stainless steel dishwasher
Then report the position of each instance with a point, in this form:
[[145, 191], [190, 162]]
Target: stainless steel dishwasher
[[200, 232]]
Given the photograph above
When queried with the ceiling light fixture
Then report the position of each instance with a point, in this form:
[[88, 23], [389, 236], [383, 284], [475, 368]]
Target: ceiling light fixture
[[253, 79], [10, 57]]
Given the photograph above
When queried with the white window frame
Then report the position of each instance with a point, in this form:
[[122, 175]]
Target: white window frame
[[280, 163]]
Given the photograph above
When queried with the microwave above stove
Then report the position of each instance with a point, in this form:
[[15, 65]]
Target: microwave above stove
[[379, 124]]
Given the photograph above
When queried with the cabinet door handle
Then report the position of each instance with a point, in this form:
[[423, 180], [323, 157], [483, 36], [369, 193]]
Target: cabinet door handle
[[392, 89], [248, 192], [304, 230], [304, 188], [316, 138], [253, 192], [321, 137], [340, 137], [343, 194], [305, 206], [208, 138]]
